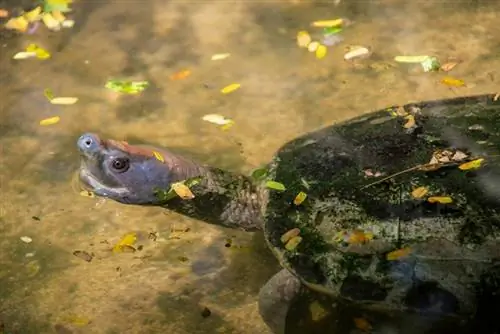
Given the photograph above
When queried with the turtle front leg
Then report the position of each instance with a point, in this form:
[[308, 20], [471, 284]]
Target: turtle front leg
[[275, 298]]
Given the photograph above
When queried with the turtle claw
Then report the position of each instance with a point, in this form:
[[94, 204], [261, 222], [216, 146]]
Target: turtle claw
[[275, 298]]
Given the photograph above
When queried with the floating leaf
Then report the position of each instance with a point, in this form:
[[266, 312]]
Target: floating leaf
[[230, 88], [321, 51], [419, 192], [17, 23], [182, 190], [64, 100], [331, 30], [397, 254], [77, 320], [216, 119], [474, 164], [180, 75], [430, 64], [127, 87], [26, 239], [220, 56], [453, 82], [327, 23], [67, 23], [158, 156], [301, 197], [33, 15], [313, 46], [362, 324], [50, 121], [410, 122], [51, 22], [83, 255], [303, 39], [357, 52], [127, 240], [289, 235], [24, 55], [58, 16], [293, 243], [448, 66], [440, 199], [275, 185], [411, 59], [259, 174]]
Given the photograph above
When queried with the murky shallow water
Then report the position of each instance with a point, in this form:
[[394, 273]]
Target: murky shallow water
[[285, 92]]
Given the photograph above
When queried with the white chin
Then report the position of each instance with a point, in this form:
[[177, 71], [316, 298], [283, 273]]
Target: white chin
[[96, 186]]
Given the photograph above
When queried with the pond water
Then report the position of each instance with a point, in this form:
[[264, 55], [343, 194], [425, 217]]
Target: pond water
[[187, 268]]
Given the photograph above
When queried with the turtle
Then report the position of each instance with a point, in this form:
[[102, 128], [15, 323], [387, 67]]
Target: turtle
[[395, 210]]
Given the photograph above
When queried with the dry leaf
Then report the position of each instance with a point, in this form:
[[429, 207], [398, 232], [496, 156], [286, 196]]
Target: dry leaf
[[180, 75], [362, 324], [182, 190], [419, 192], [220, 56], [449, 81], [158, 156], [327, 23], [4, 13], [230, 88], [397, 254], [293, 243], [301, 197], [83, 255], [474, 164], [321, 51], [303, 39], [50, 121], [128, 239], [410, 122], [440, 199], [289, 235], [448, 66], [64, 100]]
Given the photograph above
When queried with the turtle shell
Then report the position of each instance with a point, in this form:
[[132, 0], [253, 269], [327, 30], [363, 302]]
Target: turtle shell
[[401, 208]]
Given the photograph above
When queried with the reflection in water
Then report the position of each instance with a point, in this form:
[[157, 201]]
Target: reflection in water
[[285, 92]]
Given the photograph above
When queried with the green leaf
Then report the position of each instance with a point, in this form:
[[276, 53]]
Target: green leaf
[[127, 87], [430, 64], [259, 174], [48, 94], [275, 185], [331, 30]]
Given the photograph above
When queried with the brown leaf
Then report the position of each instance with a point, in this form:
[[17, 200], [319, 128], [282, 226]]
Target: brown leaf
[[83, 255], [448, 66]]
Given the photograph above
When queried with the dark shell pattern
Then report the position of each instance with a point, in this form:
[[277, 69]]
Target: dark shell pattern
[[400, 210]]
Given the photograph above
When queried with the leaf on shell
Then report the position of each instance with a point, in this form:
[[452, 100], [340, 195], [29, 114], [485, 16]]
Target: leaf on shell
[[410, 122], [182, 190], [419, 192], [397, 254], [289, 235], [300, 198], [474, 164], [440, 199], [293, 243], [275, 185], [496, 97], [230, 88], [358, 237]]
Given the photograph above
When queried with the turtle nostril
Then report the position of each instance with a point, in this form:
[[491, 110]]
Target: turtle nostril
[[88, 142]]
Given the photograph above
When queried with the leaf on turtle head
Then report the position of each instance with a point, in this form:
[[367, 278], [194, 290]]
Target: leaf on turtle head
[[301, 197], [474, 164], [128, 240], [397, 254], [158, 156], [289, 235], [440, 199], [410, 122], [293, 243], [362, 324], [419, 192], [182, 190], [275, 185]]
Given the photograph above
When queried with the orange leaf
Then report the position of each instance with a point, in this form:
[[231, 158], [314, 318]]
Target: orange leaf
[[359, 237], [180, 75], [362, 324], [453, 82], [397, 254]]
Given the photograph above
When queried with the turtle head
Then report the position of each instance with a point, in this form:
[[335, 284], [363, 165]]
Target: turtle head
[[129, 174]]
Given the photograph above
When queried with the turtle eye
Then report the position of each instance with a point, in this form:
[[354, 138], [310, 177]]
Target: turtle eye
[[120, 164]]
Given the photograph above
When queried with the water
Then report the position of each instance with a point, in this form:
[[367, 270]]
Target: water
[[285, 92]]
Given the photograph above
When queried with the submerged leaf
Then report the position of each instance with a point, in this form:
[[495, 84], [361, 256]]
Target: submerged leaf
[[358, 237], [440, 199], [220, 56], [127, 87], [275, 185], [453, 82], [474, 164], [83, 255], [362, 324], [259, 174], [24, 55], [301, 197], [180, 75], [448, 66], [230, 88], [411, 59], [397, 254]]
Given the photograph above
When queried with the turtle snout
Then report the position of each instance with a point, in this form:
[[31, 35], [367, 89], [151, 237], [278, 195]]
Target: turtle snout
[[88, 143]]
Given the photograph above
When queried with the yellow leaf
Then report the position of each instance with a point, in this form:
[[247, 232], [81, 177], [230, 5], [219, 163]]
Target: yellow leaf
[[230, 88], [440, 199], [289, 235], [313, 46], [327, 23], [86, 193], [411, 59], [33, 15], [301, 197], [471, 164], [64, 100], [419, 192], [397, 254], [321, 51], [293, 243], [410, 122], [58, 16], [358, 237], [303, 39], [158, 156], [496, 97], [127, 240], [453, 82], [182, 190], [51, 22], [220, 56], [362, 324], [17, 23], [227, 126], [50, 121]]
